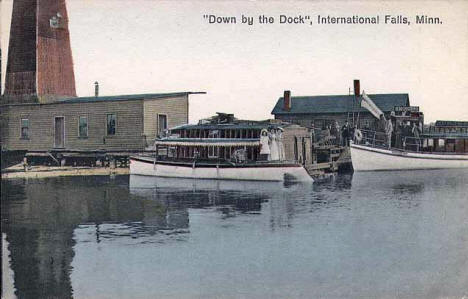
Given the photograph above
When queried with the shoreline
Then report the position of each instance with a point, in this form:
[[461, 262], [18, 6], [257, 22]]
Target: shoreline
[[17, 171]]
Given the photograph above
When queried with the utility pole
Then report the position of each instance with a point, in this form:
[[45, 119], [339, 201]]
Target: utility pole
[[1, 69]]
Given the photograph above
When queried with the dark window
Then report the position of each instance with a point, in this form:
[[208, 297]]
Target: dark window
[[162, 123], [213, 152], [111, 124], [83, 126], [25, 128]]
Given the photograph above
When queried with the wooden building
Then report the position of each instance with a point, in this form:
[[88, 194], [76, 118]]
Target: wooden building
[[325, 110], [449, 127], [127, 122]]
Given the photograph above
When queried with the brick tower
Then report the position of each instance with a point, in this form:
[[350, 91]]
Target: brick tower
[[40, 65]]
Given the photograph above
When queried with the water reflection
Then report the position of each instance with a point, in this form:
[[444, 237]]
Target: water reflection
[[42, 218], [308, 239]]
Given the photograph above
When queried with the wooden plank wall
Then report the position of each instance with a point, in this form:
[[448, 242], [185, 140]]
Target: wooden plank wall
[[290, 134], [176, 110], [129, 131]]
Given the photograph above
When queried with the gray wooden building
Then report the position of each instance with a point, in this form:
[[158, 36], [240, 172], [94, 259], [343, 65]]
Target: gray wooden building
[[323, 110], [108, 123]]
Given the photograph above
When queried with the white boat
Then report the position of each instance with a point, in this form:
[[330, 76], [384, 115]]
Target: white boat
[[267, 171], [224, 148], [389, 150], [368, 158]]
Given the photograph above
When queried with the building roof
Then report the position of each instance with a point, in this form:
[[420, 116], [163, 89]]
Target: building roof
[[339, 103], [148, 96], [451, 123], [128, 97]]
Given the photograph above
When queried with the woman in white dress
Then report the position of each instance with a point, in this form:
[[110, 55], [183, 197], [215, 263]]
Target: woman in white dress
[[274, 149], [264, 145]]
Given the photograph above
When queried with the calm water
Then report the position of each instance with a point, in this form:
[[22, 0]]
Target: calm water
[[370, 235]]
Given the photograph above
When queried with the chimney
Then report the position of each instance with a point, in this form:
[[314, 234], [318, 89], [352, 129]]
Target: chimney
[[357, 89], [287, 100], [96, 89]]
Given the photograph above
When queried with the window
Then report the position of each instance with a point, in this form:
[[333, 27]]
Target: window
[[441, 142], [111, 124], [213, 152], [83, 126], [162, 123], [25, 128]]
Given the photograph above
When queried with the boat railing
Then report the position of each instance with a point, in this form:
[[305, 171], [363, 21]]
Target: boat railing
[[371, 138], [413, 144], [379, 140]]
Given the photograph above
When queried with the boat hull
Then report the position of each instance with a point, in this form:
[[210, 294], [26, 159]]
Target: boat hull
[[366, 158], [267, 172]]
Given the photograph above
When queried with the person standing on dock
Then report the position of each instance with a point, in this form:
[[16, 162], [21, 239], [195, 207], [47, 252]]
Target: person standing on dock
[[336, 132], [345, 130], [264, 145]]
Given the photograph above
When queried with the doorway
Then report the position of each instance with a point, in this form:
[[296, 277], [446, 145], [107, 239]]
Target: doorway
[[59, 135]]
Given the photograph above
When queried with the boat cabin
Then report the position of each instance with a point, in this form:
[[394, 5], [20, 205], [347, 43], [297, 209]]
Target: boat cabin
[[225, 138]]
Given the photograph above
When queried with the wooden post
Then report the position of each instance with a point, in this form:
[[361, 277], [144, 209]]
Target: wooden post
[[25, 163]]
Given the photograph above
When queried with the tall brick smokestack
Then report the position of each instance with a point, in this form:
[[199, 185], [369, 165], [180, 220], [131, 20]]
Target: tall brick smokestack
[[287, 100], [357, 88], [39, 55]]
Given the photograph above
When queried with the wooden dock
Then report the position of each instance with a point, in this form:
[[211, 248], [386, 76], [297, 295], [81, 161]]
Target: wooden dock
[[19, 171]]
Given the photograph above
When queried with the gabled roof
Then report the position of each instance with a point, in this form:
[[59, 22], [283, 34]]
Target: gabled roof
[[339, 103], [148, 96]]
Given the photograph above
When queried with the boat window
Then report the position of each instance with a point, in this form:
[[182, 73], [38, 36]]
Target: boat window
[[441, 142], [213, 152], [213, 134]]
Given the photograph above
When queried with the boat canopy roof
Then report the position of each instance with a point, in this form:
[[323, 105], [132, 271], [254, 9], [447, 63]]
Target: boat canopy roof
[[232, 126], [224, 121], [221, 142]]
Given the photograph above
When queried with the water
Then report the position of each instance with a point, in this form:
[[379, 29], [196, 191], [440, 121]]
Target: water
[[369, 235]]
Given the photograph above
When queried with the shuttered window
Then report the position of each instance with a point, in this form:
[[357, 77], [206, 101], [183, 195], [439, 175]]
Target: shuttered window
[[111, 124], [83, 126], [25, 128]]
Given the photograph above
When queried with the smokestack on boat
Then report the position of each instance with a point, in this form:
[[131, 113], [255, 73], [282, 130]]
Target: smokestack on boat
[[287, 100], [357, 88]]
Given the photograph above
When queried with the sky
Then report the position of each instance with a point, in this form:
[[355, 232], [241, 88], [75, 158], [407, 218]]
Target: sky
[[145, 46]]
